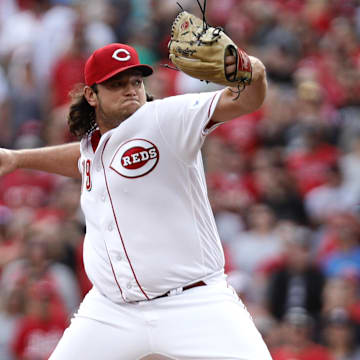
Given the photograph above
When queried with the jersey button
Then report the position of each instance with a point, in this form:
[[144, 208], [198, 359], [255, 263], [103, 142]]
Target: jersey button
[[119, 257], [110, 227], [103, 197], [129, 286]]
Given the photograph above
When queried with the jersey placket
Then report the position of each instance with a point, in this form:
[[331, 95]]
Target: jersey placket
[[120, 261]]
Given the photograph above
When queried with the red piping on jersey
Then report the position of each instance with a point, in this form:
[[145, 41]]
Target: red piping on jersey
[[113, 271], [210, 123], [117, 225]]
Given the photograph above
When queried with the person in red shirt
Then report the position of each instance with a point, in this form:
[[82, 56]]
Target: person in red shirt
[[309, 165], [68, 69], [42, 326], [298, 342]]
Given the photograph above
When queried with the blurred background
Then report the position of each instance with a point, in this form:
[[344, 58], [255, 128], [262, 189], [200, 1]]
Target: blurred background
[[284, 182]]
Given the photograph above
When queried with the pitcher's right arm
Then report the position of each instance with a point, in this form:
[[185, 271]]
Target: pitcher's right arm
[[59, 159]]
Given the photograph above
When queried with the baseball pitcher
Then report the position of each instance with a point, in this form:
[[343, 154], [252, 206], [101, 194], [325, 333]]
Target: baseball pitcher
[[152, 251]]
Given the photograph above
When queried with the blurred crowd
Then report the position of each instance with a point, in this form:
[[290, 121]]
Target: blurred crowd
[[284, 182]]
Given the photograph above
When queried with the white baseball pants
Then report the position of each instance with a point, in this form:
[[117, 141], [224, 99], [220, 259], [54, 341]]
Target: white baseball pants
[[207, 322]]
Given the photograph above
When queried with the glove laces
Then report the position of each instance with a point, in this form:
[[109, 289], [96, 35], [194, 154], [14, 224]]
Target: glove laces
[[215, 33]]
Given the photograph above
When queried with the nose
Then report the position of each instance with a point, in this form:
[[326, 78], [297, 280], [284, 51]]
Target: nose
[[130, 89]]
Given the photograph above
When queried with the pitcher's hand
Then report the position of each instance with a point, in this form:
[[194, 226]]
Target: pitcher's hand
[[230, 65]]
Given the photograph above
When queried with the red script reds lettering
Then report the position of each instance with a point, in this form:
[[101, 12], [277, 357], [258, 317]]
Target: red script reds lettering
[[135, 158]]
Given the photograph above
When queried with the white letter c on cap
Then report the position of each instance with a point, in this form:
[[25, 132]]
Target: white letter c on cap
[[116, 53]]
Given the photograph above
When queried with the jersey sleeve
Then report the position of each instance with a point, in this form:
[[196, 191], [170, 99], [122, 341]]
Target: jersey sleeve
[[185, 120]]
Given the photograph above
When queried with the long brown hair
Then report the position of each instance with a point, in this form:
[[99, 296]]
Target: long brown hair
[[82, 117]]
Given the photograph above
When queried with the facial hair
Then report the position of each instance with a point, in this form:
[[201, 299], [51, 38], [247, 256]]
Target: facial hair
[[113, 119]]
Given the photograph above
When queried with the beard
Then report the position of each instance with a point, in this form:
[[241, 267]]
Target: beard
[[112, 119]]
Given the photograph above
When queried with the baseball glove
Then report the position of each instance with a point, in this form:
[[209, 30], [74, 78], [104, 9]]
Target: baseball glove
[[200, 50]]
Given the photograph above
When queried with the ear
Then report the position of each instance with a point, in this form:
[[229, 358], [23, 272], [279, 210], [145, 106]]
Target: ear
[[90, 96]]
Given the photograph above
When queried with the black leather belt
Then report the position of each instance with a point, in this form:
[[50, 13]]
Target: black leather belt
[[199, 283]]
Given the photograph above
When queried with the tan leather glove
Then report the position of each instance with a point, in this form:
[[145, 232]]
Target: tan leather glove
[[199, 50]]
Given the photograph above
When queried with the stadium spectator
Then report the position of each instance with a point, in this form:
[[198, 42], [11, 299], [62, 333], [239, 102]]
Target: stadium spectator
[[298, 282], [334, 196], [40, 329], [37, 265], [309, 164], [298, 344], [343, 292], [258, 243], [11, 312], [345, 259], [339, 336]]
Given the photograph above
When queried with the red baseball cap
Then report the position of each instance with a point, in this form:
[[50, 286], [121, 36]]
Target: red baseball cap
[[111, 60]]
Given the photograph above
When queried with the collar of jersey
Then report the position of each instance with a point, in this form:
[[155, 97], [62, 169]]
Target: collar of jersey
[[95, 139]]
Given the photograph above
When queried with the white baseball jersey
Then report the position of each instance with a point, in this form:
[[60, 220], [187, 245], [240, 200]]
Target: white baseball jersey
[[149, 224]]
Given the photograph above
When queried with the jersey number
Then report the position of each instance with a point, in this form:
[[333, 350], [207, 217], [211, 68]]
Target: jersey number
[[86, 174]]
